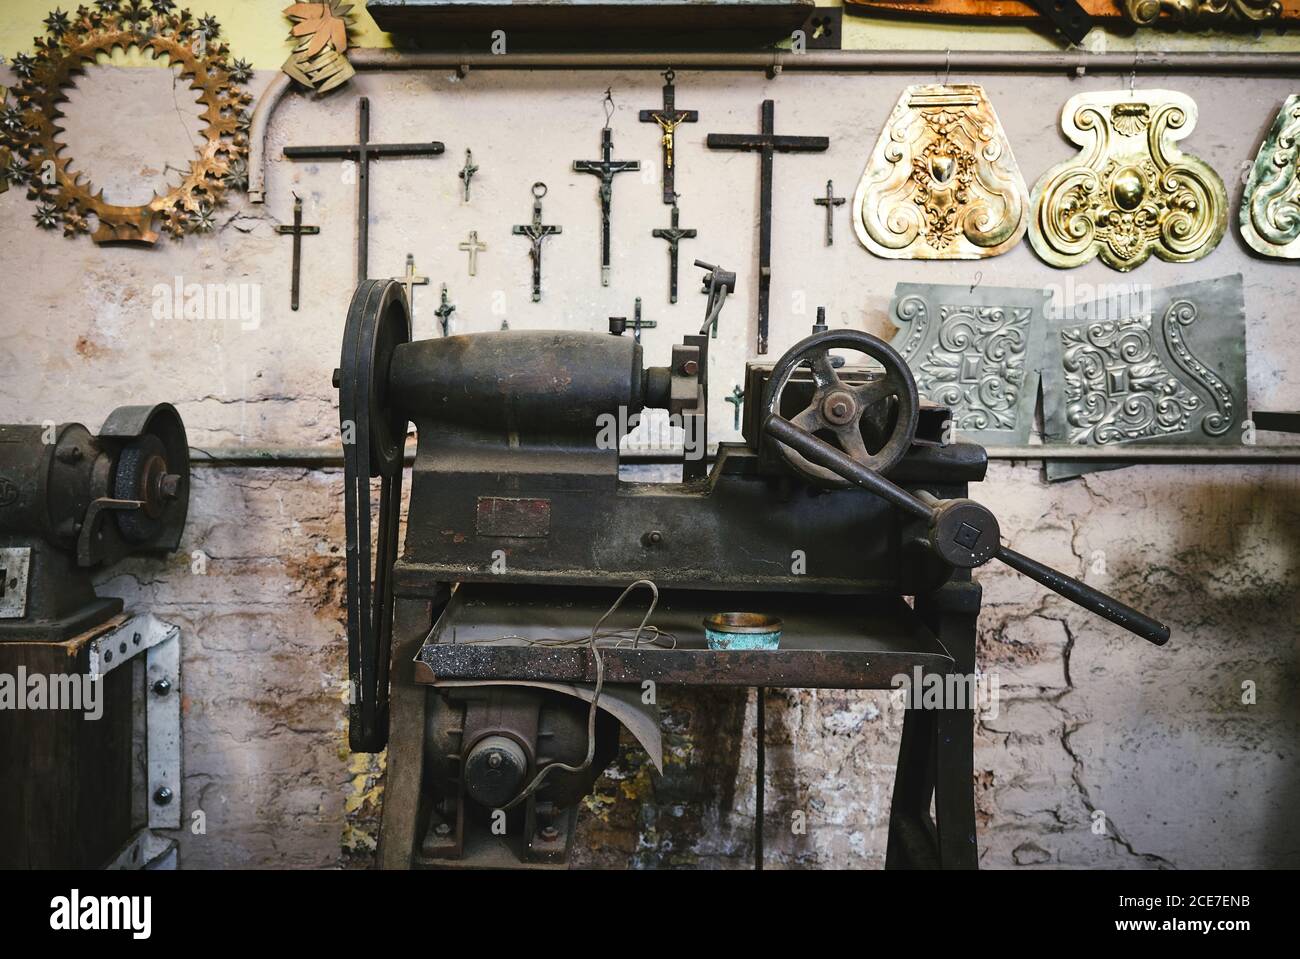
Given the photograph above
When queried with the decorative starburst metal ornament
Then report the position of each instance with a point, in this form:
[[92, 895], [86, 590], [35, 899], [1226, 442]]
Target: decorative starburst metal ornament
[[72, 42]]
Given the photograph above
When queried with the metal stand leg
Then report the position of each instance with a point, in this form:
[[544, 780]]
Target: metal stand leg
[[913, 840], [398, 830], [760, 773], [937, 753]]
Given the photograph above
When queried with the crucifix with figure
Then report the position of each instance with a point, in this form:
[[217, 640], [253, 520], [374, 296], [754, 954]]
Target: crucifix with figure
[[669, 119], [766, 143], [361, 153], [537, 231], [736, 398], [444, 311], [605, 168], [673, 235]]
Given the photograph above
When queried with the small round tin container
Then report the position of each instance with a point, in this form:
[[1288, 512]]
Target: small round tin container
[[742, 631]]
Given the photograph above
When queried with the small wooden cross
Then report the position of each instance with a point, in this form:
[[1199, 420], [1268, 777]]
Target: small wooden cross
[[444, 312], [473, 247], [669, 118], [735, 399], [673, 235], [409, 281], [298, 231], [830, 201]]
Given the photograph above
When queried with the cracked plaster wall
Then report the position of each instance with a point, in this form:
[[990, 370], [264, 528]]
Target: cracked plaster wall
[[1090, 722]]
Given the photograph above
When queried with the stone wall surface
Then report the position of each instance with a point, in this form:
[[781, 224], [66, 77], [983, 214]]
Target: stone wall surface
[[1104, 751]]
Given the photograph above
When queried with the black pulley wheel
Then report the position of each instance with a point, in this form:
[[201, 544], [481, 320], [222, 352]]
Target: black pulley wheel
[[374, 443], [378, 322]]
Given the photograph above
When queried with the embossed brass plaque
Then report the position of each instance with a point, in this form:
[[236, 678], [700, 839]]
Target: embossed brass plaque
[[1131, 192], [1270, 205], [941, 183]]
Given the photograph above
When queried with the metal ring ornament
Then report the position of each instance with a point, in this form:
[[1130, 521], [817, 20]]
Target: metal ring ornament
[[838, 407], [31, 132]]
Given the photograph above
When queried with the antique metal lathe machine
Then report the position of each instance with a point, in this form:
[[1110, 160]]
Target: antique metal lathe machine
[[512, 664]]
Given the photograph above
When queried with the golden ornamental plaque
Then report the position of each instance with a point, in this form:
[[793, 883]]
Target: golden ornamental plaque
[[1270, 205], [941, 183], [1130, 192]]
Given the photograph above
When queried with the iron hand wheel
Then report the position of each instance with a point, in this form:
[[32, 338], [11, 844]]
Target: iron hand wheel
[[885, 408]]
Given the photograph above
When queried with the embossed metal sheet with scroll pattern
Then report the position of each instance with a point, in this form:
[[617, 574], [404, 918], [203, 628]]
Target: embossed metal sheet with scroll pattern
[[1270, 204], [977, 352], [1130, 192], [941, 182], [1155, 367]]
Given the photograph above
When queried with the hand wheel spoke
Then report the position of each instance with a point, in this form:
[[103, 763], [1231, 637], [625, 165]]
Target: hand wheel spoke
[[809, 420], [851, 440], [869, 394], [823, 371]]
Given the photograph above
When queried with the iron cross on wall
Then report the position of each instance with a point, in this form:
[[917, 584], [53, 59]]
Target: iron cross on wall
[[298, 231], [605, 168], [669, 118], [766, 143], [361, 153], [830, 201]]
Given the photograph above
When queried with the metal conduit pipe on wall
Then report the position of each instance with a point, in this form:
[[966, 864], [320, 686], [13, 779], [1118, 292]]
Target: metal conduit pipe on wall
[[316, 458], [773, 62]]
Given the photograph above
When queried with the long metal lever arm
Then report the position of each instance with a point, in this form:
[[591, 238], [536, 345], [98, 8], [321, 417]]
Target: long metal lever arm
[[823, 454]]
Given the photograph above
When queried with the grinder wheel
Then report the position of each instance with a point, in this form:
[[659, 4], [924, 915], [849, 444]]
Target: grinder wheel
[[374, 443], [141, 467], [873, 422]]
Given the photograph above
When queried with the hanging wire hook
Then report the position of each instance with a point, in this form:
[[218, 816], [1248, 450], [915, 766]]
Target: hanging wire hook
[[608, 104]]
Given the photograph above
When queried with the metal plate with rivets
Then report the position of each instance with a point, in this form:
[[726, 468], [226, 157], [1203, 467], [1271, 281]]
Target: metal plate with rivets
[[15, 564]]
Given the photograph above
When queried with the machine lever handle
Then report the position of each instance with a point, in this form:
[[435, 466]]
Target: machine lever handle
[[1090, 598], [824, 454]]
